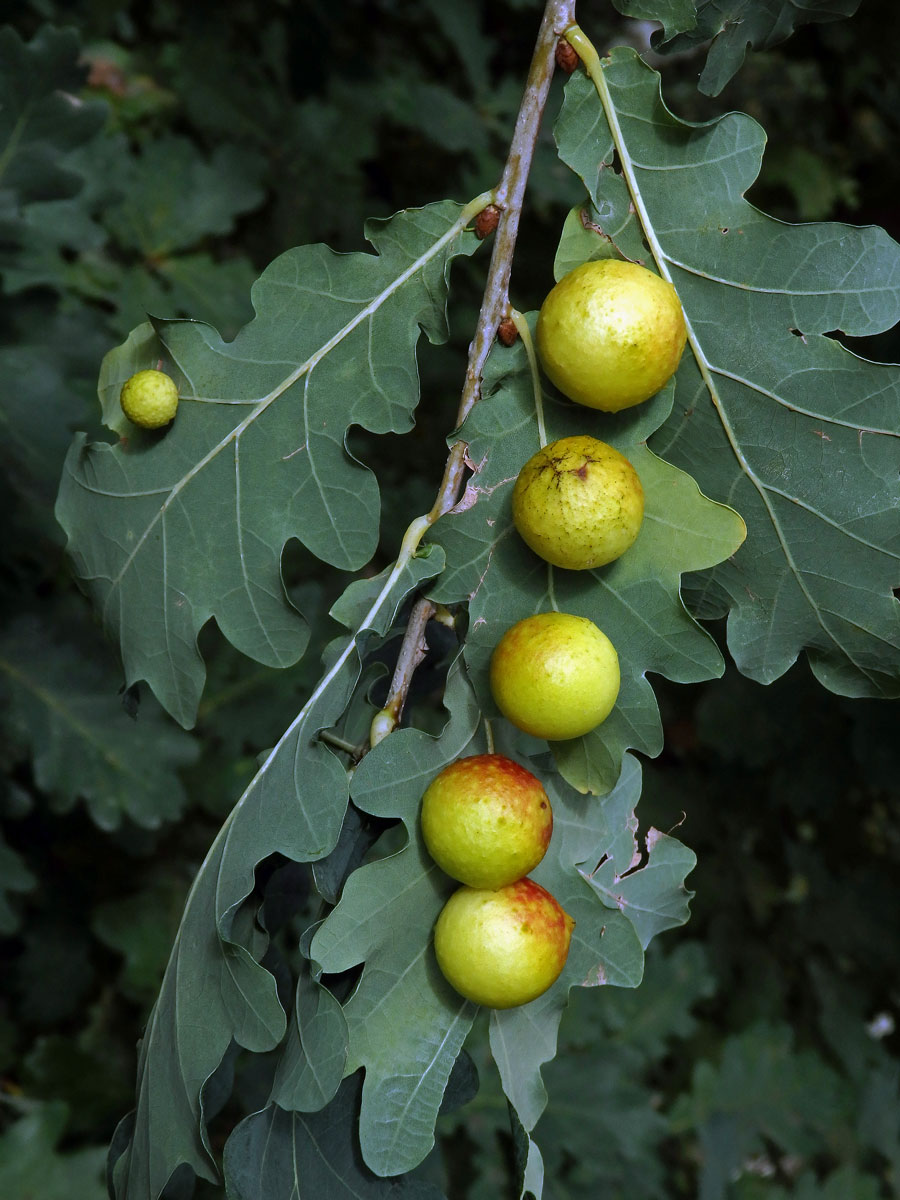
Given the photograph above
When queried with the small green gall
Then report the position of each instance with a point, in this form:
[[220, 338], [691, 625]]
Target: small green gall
[[149, 399]]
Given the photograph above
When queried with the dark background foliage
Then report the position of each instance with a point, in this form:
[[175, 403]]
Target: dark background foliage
[[759, 1058]]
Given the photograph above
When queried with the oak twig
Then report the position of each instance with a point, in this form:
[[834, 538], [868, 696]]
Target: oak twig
[[509, 196], [412, 651]]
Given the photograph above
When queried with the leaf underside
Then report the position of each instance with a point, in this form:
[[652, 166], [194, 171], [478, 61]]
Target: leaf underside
[[780, 421], [740, 416], [167, 530], [216, 990]]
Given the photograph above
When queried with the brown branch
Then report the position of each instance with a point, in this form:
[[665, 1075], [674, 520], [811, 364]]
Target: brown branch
[[558, 16], [509, 197], [412, 651]]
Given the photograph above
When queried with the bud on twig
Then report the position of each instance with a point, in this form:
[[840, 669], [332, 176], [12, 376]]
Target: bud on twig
[[507, 332], [566, 57], [487, 221]]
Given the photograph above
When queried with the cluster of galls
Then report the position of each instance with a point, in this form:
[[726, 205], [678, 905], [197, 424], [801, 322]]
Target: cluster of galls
[[501, 939], [609, 335]]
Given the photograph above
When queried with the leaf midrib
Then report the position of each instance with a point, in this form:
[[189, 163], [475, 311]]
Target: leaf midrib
[[703, 363], [263, 404]]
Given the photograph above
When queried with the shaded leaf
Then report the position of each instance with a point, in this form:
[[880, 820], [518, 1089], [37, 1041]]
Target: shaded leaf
[[260, 436], [735, 25], [31, 1166], [676, 16], [761, 1092], [879, 1112], [135, 239], [646, 1020], [141, 928], [14, 877], [452, 123], [846, 1183], [41, 119], [89, 1070], [601, 1131], [54, 947], [65, 707], [293, 1155], [461, 25], [783, 422], [358, 835], [185, 285], [172, 197], [54, 364]]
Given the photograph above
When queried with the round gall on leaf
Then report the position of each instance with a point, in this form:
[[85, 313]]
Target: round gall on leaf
[[486, 821], [502, 947], [578, 503], [555, 675], [149, 399], [610, 334]]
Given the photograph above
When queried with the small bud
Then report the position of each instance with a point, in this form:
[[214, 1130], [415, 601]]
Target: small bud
[[487, 221], [566, 56], [507, 332]]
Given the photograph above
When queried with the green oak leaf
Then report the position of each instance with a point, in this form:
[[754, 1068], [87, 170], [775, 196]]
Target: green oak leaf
[[635, 600], [216, 990], [654, 897], [259, 436], [274, 1153], [783, 422]]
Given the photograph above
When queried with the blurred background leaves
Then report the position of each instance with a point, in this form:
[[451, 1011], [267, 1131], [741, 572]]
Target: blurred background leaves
[[785, 976]]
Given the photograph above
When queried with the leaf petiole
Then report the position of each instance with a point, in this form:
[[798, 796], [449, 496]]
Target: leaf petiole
[[524, 332]]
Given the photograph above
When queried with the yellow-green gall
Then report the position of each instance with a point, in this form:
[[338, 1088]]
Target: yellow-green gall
[[486, 821], [610, 334], [149, 399], [555, 675], [578, 503], [502, 947]]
